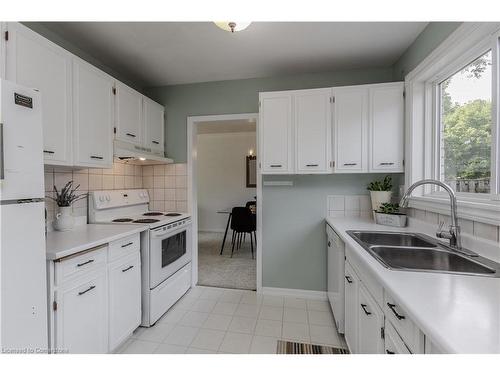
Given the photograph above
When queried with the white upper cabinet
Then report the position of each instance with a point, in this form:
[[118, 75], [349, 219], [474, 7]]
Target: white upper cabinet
[[351, 129], [313, 125], [128, 112], [154, 124], [387, 127], [34, 61], [276, 132], [93, 116]]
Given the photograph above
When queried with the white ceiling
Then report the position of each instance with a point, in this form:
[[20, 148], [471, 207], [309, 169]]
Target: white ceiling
[[165, 53]]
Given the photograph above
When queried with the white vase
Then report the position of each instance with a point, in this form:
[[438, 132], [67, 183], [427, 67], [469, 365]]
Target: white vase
[[379, 197], [64, 219]]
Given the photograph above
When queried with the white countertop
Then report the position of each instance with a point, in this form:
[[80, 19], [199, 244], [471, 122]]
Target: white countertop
[[61, 244], [459, 313]]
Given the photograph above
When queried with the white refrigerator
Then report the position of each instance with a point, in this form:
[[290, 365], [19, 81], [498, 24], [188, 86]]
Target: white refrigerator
[[23, 284]]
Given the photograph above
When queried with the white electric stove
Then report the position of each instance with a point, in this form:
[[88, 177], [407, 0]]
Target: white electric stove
[[166, 248]]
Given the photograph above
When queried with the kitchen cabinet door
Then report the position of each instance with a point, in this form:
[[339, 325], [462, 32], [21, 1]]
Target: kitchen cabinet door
[[128, 112], [313, 124], [387, 127], [124, 298], [370, 324], [275, 132], [393, 342], [81, 316], [154, 124], [351, 129], [351, 308], [35, 62], [92, 116]]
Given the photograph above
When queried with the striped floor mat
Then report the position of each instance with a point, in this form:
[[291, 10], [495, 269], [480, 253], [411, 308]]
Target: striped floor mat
[[290, 347]]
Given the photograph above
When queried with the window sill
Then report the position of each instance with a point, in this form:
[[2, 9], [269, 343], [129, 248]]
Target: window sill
[[486, 211]]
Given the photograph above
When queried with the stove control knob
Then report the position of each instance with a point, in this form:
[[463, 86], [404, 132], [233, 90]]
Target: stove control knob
[[108, 198], [101, 198]]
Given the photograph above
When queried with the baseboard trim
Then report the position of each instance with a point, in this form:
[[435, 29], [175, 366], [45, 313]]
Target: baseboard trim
[[298, 293]]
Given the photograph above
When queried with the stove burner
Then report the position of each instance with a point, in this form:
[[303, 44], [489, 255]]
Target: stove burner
[[146, 221], [124, 220], [152, 214], [173, 214]]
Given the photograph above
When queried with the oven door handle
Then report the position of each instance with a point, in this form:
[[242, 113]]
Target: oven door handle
[[160, 234]]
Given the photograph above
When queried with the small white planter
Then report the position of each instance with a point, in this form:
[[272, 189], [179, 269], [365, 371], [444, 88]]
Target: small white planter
[[379, 197], [391, 219], [64, 220]]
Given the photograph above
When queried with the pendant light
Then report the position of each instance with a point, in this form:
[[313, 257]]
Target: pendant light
[[232, 26]]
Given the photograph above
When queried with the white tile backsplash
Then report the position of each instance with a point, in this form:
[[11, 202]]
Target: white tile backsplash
[[349, 206]]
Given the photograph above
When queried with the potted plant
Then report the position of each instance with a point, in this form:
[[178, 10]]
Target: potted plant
[[380, 192], [389, 214], [64, 199]]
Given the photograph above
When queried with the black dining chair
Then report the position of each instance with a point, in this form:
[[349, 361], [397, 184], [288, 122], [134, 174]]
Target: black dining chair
[[242, 222]]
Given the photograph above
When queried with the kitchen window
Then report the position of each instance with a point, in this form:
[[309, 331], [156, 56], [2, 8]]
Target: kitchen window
[[465, 154], [452, 115]]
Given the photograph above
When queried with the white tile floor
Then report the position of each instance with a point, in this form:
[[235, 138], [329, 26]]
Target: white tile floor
[[213, 320]]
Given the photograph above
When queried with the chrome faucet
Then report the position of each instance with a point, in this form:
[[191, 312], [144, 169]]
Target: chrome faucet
[[453, 234]]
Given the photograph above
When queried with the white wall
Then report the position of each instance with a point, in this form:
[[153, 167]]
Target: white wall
[[222, 176]]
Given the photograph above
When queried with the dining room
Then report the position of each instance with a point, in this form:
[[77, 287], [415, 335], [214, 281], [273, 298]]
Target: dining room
[[226, 203]]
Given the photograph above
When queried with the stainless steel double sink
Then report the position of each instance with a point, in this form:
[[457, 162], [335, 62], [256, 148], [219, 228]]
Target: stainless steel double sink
[[418, 252]]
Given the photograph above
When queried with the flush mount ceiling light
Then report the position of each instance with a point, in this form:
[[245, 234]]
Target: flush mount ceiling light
[[233, 26]]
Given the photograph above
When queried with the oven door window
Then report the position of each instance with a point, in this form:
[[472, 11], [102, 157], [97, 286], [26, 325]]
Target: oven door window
[[172, 248]]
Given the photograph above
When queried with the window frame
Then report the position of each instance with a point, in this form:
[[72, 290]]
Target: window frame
[[463, 46], [474, 53]]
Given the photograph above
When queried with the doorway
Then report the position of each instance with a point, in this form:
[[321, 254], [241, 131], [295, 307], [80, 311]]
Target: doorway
[[223, 174]]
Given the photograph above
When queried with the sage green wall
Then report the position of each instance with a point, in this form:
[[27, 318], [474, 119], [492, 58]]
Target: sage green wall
[[426, 42], [294, 240], [239, 96]]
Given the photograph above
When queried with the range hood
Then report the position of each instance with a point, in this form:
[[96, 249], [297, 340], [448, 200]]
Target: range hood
[[133, 154]]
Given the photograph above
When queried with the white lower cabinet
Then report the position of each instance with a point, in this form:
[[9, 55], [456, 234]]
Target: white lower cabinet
[[375, 323], [96, 304], [370, 324], [81, 316], [351, 308], [124, 298], [393, 343]]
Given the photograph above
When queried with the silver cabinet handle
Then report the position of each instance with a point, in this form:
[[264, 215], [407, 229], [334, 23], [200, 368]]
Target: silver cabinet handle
[[312, 165], [350, 164], [386, 163], [2, 165], [84, 263], [86, 290], [128, 268], [130, 135]]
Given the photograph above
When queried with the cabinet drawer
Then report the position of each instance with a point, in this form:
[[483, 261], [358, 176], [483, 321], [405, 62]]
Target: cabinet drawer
[[393, 343], [124, 246], [409, 332], [77, 265]]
